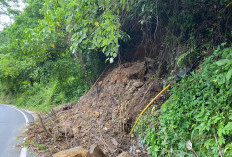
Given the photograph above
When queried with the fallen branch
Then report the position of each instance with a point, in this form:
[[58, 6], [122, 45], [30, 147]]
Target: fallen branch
[[43, 126]]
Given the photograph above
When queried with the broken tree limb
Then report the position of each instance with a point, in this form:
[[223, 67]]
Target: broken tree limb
[[43, 126]]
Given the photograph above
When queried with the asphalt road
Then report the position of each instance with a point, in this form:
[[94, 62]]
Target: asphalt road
[[12, 123]]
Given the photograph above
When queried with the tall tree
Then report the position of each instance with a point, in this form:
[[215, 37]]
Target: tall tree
[[5, 5]]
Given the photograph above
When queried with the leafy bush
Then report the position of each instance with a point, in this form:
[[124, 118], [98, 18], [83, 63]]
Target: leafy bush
[[197, 119]]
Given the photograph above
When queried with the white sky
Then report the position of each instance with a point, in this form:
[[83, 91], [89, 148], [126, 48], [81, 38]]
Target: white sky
[[6, 20]]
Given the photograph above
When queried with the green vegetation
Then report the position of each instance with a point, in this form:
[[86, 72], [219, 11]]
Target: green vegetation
[[197, 118], [37, 69], [56, 49], [38, 146]]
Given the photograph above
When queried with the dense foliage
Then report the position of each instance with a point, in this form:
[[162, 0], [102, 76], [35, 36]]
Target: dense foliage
[[197, 119], [60, 46], [37, 68]]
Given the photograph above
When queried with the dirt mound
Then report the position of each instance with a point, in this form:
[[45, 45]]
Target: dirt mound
[[103, 116]]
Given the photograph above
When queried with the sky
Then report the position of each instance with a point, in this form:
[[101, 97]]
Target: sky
[[6, 20]]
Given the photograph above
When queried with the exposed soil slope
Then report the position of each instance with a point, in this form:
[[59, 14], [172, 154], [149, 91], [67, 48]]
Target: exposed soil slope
[[103, 116]]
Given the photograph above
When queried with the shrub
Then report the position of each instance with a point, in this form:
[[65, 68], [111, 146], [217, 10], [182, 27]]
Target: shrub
[[197, 119]]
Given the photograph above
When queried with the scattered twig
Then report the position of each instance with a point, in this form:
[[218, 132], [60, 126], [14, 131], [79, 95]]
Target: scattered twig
[[220, 152], [103, 141], [188, 145], [146, 92]]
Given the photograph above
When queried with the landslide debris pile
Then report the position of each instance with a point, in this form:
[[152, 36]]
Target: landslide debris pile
[[103, 116]]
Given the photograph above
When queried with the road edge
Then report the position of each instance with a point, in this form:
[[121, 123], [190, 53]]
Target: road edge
[[32, 113], [23, 152]]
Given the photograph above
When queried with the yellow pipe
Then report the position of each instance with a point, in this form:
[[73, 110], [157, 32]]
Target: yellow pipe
[[147, 108], [228, 4]]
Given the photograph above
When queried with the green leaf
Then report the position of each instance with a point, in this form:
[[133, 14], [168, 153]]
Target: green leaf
[[67, 28], [114, 55], [228, 146], [222, 62], [223, 44], [228, 127], [62, 3], [228, 75], [111, 59]]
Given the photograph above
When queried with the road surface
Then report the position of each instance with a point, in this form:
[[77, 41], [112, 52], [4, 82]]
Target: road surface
[[12, 123]]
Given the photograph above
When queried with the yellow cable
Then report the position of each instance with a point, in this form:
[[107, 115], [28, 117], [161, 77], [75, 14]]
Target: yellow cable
[[228, 4], [147, 107]]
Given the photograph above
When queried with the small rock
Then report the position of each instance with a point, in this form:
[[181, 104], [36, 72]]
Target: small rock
[[100, 83], [94, 105], [97, 114], [138, 84], [124, 154], [95, 151], [105, 128], [153, 110], [73, 152], [114, 141], [136, 71], [132, 90], [66, 128], [67, 106]]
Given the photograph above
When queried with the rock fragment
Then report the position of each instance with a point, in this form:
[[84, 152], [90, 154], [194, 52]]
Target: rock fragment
[[95, 151], [124, 154], [73, 152]]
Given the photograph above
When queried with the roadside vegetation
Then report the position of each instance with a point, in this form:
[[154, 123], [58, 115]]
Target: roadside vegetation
[[196, 120], [56, 49]]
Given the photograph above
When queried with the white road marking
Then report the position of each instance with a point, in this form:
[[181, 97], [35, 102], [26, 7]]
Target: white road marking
[[24, 149], [24, 115], [23, 152]]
